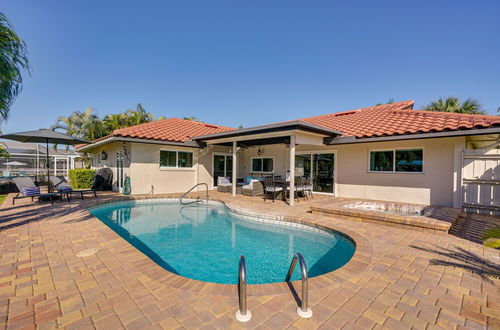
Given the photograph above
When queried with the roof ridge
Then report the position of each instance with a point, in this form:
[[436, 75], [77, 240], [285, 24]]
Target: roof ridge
[[451, 114], [404, 104]]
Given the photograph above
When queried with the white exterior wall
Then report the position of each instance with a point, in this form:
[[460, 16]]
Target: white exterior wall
[[111, 149], [439, 184]]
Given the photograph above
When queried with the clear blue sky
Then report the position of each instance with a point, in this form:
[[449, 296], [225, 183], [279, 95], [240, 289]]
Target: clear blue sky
[[251, 62]]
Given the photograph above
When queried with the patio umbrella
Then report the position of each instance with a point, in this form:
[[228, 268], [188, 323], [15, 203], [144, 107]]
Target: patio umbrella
[[44, 136]]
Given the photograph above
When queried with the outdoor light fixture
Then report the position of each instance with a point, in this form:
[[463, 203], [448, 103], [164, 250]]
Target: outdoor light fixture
[[260, 151], [125, 152], [104, 155]]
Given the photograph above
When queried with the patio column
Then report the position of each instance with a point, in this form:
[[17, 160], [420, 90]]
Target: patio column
[[235, 162], [291, 200]]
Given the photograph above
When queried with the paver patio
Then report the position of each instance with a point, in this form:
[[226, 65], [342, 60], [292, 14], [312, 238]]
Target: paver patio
[[411, 280]]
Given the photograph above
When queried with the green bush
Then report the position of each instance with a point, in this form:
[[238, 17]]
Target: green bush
[[81, 178]]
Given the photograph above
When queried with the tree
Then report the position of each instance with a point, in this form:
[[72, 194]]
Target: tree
[[453, 104], [13, 60], [192, 118], [3, 152], [389, 101], [115, 121], [139, 116], [85, 125]]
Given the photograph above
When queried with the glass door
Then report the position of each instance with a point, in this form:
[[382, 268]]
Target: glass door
[[223, 166], [323, 169]]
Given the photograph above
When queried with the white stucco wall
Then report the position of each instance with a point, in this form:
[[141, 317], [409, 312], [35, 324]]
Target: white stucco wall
[[439, 184]]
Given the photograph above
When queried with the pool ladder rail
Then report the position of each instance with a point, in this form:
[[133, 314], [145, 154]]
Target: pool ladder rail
[[198, 200], [243, 314], [304, 311]]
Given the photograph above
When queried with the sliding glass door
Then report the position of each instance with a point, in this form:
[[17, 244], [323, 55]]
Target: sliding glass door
[[323, 173], [223, 166], [319, 166]]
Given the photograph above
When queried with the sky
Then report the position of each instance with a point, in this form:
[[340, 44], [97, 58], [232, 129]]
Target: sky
[[250, 62]]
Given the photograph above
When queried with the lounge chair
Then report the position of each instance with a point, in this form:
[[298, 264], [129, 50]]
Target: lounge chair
[[27, 188], [223, 184], [254, 188], [60, 184]]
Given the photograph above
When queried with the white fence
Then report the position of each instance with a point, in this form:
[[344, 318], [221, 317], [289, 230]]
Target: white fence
[[481, 181]]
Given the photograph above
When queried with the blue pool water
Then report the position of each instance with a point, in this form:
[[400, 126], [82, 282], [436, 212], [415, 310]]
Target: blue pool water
[[205, 242]]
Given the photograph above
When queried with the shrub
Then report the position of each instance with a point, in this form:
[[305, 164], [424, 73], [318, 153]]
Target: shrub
[[81, 178]]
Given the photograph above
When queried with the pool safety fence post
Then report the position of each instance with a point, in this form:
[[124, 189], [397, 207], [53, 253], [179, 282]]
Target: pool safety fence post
[[303, 310], [242, 315]]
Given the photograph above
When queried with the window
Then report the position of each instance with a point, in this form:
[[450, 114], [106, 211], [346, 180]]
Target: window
[[381, 161], [400, 160], [177, 159], [409, 160], [262, 165], [185, 159]]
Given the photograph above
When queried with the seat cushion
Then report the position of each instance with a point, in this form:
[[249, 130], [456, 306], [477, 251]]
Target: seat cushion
[[32, 191]]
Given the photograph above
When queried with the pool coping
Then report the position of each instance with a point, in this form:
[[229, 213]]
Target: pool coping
[[352, 269]]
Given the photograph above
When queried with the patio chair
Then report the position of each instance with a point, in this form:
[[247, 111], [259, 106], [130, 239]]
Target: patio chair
[[299, 187], [270, 188], [224, 184], [308, 187], [254, 188], [27, 188], [60, 184]]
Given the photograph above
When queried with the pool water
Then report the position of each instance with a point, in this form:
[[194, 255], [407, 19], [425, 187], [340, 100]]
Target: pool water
[[205, 242]]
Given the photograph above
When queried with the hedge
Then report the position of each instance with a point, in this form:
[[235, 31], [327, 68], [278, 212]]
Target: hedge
[[81, 178]]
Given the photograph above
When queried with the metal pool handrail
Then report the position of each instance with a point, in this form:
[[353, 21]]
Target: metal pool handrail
[[242, 315], [303, 310], [198, 198]]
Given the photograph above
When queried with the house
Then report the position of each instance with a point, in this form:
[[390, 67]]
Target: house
[[31, 160], [388, 152]]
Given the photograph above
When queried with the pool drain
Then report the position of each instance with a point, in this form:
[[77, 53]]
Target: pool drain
[[87, 253]]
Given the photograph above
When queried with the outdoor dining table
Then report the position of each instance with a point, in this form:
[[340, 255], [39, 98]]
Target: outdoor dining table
[[284, 184]]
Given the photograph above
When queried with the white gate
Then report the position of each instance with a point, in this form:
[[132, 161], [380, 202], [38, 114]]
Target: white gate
[[481, 181]]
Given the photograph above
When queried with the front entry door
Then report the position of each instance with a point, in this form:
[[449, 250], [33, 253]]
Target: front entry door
[[223, 166]]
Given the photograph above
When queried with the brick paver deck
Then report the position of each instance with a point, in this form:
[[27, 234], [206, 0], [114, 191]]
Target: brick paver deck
[[411, 280]]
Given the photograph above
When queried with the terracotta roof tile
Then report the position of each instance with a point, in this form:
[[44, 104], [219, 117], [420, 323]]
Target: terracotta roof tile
[[171, 129], [397, 119]]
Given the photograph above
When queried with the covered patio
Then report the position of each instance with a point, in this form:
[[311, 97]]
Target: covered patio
[[287, 151]]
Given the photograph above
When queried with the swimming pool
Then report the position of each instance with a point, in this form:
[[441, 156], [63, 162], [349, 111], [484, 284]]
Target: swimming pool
[[205, 242]]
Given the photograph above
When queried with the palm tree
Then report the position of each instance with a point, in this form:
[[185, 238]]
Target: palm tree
[[139, 116], [13, 59], [389, 101], [192, 118], [115, 121], [453, 104], [85, 125]]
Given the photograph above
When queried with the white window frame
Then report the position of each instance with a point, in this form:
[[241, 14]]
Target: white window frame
[[264, 172], [394, 160], [176, 167]]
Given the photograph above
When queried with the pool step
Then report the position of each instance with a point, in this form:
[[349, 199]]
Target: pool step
[[438, 220]]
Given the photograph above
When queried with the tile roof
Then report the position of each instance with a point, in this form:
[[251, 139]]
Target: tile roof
[[399, 118], [383, 120], [171, 129]]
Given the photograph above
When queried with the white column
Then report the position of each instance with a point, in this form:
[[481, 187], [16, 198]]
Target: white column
[[55, 165], [235, 162], [291, 200], [67, 165]]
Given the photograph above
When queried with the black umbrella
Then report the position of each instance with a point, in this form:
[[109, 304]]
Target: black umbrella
[[44, 136]]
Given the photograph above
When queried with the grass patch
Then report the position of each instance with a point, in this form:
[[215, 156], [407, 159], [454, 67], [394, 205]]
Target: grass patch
[[2, 198], [491, 237]]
